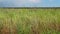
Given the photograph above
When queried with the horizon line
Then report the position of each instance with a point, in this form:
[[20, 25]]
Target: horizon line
[[32, 7]]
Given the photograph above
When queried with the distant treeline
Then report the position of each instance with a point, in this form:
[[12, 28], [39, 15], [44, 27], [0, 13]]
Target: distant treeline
[[31, 7]]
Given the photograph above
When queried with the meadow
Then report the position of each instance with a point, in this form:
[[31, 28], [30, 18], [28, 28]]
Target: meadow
[[29, 21]]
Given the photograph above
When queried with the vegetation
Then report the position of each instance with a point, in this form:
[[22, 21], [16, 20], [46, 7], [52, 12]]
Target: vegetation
[[29, 21]]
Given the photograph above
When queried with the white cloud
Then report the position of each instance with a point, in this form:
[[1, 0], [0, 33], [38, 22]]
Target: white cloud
[[35, 1], [24, 2], [19, 2]]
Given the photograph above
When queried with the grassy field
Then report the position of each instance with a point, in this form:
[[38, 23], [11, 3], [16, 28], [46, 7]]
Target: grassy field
[[29, 21]]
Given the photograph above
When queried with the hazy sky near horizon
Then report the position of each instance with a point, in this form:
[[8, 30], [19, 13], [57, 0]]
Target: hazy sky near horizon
[[29, 3]]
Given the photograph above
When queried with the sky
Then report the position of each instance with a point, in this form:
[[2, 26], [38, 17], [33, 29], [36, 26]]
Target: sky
[[29, 3]]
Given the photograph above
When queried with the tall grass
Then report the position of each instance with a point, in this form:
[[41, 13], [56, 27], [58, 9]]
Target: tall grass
[[29, 21]]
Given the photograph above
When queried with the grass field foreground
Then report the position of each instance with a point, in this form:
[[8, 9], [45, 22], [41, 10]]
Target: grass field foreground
[[29, 21]]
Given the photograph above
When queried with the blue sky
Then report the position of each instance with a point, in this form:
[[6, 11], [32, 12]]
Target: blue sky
[[29, 3]]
